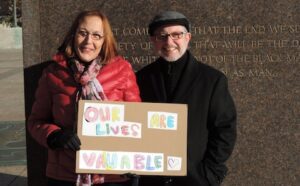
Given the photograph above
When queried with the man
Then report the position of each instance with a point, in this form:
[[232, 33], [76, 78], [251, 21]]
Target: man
[[177, 77]]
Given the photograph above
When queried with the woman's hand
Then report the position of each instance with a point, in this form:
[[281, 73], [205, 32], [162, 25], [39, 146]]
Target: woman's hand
[[64, 139]]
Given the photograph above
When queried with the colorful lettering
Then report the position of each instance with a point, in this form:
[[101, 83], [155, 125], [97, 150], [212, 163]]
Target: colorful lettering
[[100, 130], [125, 162], [162, 120], [115, 114], [91, 114], [158, 161], [100, 163], [138, 161], [124, 130], [148, 163], [135, 161], [89, 159], [162, 123], [170, 122], [104, 114], [111, 161], [154, 121], [120, 129], [135, 129]]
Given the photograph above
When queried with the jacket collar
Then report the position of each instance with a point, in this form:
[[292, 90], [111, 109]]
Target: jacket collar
[[187, 80], [185, 83], [60, 59]]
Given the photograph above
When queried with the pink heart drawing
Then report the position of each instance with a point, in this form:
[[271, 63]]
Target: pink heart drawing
[[173, 163]]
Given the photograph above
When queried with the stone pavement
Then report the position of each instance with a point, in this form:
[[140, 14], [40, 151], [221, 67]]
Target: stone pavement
[[13, 169]]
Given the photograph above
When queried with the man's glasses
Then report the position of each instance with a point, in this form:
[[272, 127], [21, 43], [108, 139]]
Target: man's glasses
[[94, 36], [173, 36]]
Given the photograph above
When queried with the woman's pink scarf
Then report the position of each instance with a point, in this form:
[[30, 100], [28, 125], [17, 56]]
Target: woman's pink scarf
[[86, 76]]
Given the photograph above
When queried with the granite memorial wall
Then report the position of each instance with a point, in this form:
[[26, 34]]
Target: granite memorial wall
[[255, 43]]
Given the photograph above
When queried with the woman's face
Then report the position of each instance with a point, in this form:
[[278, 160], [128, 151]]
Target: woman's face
[[89, 38]]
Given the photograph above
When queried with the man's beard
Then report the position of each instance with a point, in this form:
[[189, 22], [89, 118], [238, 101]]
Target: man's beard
[[171, 58]]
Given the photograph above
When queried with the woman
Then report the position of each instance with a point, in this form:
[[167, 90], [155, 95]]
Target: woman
[[87, 66]]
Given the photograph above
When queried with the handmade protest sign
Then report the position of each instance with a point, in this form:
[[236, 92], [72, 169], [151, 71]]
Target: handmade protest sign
[[140, 138]]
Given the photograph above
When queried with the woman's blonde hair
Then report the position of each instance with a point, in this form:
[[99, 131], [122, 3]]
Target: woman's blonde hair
[[109, 47]]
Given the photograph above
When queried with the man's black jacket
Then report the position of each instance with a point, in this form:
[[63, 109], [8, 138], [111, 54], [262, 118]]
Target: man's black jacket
[[211, 119]]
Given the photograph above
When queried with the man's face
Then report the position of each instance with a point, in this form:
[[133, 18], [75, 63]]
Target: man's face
[[171, 41]]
